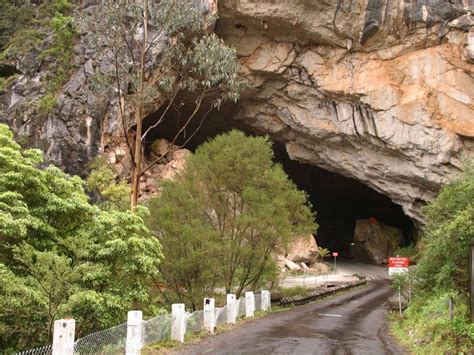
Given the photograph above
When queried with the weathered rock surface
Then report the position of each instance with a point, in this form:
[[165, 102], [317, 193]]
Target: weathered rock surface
[[376, 90], [380, 91], [302, 249], [172, 160], [374, 241]]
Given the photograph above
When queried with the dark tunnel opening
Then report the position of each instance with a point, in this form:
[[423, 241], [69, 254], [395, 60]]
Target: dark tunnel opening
[[339, 201]]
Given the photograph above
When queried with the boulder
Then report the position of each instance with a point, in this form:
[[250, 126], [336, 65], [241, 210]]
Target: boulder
[[292, 266], [374, 241], [302, 249], [161, 147], [175, 165]]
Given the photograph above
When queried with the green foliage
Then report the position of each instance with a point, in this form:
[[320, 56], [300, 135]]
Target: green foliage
[[47, 103], [199, 64], [28, 34], [408, 251], [427, 329], [60, 255], [442, 272], [220, 220], [450, 233], [323, 253], [108, 191], [59, 53], [4, 82], [12, 19]]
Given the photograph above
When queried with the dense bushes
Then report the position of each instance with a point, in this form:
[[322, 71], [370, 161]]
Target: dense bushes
[[61, 256], [442, 272]]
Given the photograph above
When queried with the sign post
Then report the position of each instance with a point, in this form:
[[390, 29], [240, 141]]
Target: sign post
[[471, 259], [335, 254], [398, 265]]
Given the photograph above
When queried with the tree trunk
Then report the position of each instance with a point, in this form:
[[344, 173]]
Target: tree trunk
[[136, 166], [138, 156]]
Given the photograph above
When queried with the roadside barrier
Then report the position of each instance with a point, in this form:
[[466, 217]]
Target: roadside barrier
[[319, 293], [130, 337]]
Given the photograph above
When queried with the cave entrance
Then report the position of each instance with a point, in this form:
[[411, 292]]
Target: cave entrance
[[339, 201]]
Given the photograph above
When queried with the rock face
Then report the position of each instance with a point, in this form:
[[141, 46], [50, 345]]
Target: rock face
[[374, 241], [173, 160], [377, 90], [380, 91]]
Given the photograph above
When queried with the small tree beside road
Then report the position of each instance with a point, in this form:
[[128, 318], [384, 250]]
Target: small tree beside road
[[221, 219]]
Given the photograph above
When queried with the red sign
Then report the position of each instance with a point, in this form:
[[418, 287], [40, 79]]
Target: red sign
[[335, 253], [398, 262]]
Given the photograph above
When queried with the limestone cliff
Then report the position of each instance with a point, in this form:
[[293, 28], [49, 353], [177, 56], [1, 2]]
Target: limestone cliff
[[380, 91]]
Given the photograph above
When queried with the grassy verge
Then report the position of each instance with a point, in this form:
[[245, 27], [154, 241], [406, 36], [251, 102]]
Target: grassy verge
[[426, 328]]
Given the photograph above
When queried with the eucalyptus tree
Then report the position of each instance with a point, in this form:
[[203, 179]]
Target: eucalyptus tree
[[162, 52]]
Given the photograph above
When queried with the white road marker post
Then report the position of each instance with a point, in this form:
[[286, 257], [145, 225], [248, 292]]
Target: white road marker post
[[231, 308], [209, 315], [134, 333], [178, 325], [63, 337], [266, 300], [249, 304]]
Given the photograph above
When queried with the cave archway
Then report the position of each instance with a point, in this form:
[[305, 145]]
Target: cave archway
[[339, 201]]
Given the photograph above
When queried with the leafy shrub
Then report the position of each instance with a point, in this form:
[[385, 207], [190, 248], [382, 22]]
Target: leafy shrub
[[47, 103], [12, 19], [61, 256], [408, 251], [442, 272], [427, 328]]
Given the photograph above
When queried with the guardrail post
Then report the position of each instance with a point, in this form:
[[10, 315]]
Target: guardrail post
[[249, 304], [178, 326], [134, 333], [209, 319], [231, 309], [266, 301], [63, 337]]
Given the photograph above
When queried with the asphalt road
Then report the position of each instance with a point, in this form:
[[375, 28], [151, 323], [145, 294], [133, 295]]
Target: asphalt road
[[352, 323]]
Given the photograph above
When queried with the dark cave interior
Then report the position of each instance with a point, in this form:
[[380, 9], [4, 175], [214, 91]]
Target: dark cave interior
[[338, 200]]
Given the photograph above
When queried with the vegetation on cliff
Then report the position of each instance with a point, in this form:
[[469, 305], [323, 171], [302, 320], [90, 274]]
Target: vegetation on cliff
[[195, 68], [442, 272], [60, 255], [220, 220]]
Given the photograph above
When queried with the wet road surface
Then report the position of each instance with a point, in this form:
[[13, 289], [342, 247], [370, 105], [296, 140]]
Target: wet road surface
[[353, 323]]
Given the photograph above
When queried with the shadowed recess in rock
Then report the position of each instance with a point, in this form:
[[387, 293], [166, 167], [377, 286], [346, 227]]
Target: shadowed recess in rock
[[338, 201]]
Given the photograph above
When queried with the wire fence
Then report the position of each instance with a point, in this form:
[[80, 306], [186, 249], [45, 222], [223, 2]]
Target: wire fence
[[44, 350], [105, 342], [194, 321], [112, 341]]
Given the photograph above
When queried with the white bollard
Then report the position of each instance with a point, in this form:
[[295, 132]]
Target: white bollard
[[231, 309], [63, 337], [266, 301], [134, 333], [209, 319], [249, 304], [178, 327]]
